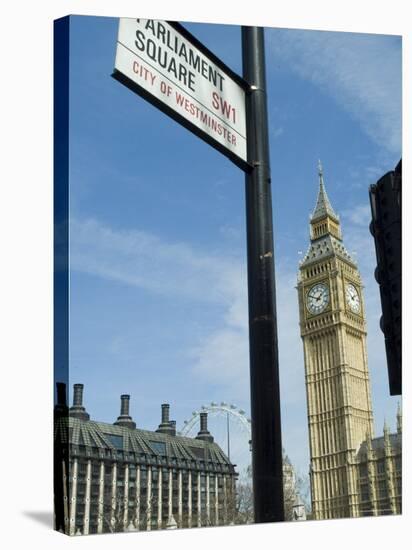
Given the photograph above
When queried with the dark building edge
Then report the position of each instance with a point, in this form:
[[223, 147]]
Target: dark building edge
[[61, 61], [385, 198]]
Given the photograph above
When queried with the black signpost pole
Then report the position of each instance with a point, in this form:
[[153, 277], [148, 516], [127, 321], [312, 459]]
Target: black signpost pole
[[264, 364], [264, 367]]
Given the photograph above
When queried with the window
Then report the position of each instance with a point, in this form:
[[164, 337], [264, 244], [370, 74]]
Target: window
[[198, 452], [380, 466], [158, 446], [115, 440], [382, 489], [364, 492]]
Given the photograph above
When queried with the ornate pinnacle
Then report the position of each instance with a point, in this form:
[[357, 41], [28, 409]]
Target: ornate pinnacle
[[323, 206], [385, 429], [399, 419], [320, 169]]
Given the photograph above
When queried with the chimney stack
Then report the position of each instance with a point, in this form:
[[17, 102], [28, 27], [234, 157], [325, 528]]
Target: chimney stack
[[77, 410], [165, 413], [124, 405], [204, 433], [125, 419], [173, 426], [203, 422], [78, 395], [165, 427]]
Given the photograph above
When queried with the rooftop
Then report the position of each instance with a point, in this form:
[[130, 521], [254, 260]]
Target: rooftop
[[325, 246], [74, 428]]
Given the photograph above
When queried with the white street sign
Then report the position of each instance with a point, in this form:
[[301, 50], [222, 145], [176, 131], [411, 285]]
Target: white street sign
[[170, 68]]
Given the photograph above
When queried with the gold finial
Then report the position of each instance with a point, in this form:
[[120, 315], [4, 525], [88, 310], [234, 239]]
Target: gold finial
[[320, 172]]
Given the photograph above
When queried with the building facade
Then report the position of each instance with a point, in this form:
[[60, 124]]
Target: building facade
[[379, 471], [116, 477], [333, 331]]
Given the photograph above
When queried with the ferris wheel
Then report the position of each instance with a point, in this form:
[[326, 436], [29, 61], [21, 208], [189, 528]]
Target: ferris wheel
[[231, 429]]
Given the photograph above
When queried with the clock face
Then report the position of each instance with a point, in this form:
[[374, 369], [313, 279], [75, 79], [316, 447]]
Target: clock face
[[318, 298], [352, 298]]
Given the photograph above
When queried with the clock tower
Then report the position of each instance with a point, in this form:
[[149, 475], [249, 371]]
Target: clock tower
[[333, 331]]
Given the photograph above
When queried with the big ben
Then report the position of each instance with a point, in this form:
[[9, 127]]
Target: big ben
[[333, 331]]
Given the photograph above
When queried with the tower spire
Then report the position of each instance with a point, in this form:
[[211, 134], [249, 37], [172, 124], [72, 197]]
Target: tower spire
[[323, 206], [320, 171], [325, 230]]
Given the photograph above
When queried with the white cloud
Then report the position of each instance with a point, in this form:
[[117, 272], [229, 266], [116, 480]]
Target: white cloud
[[359, 215], [220, 358], [362, 72], [141, 259], [230, 233], [223, 358], [276, 132]]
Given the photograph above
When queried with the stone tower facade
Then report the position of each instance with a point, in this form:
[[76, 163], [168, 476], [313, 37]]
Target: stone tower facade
[[333, 331]]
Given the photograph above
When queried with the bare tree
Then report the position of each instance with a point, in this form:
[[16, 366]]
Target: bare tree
[[244, 502], [293, 485], [289, 498], [241, 503], [113, 514]]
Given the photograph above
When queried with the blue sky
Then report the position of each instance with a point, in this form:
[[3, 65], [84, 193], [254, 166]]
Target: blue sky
[[158, 295]]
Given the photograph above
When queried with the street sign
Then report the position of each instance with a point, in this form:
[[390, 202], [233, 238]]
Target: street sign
[[169, 67], [165, 64]]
